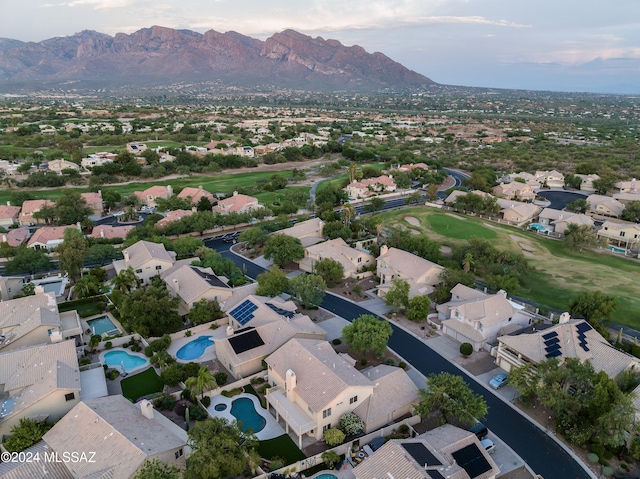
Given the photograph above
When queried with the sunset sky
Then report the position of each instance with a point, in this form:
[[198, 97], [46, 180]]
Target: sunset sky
[[562, 45]]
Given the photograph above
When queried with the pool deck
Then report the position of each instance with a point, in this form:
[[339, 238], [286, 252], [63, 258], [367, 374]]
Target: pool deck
[[86, 327], [209, 352], [130, 353], [271, 429]]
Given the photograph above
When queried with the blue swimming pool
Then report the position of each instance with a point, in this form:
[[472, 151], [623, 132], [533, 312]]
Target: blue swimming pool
[[120, 358], [245, 413], [326, 476], [537, 227], [102, 325], [194, 349]]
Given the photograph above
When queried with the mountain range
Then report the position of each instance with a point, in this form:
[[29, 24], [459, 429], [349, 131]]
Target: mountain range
[[162, 56]]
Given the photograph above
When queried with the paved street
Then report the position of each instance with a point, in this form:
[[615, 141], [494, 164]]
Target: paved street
[[528, 440]]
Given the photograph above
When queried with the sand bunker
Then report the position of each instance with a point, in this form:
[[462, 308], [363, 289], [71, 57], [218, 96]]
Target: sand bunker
[[413, 221], [445, 250], [527, 247]]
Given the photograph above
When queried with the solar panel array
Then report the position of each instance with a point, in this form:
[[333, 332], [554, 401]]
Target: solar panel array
[[245, 342], [244, 313], [551, 345], [582, 328], [421, 454], [280, 311], [435, 474], [471, 460]]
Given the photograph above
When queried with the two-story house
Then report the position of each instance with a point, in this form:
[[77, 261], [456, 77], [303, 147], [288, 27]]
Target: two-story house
[[237, 203], [515, 191], [552, 179], [570, 338], [122, 435], [9, 215], [147, 260], [620, 233], [38, 381], [353, 260], [367, 187], [309, 232], [196, 194], [600, 205], [479, 318], [517, 212], [150, 196], [174, 215], [30, 207], [421, 274], [313, 387], [94, 201]]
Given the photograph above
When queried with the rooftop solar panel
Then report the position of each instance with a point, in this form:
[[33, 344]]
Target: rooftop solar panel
[[421, 454], [583, 327], [553, 354], [553, 347], [551, 342], [244, 342], [244, 313], [435, 474], [280, 311], [552, 334], [471, 459]]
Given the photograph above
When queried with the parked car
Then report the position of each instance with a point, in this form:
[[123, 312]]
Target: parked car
[[498, 381], [480, 430], [488, 445]]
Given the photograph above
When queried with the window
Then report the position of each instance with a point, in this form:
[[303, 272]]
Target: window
[[353, 399], [179, 453], [359, 260], [326, 427], [622, 233], [139, 270], [69, 396], [159, 266], [326, 412]]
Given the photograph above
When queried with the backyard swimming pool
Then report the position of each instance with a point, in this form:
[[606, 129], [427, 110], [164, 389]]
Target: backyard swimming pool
[[538, 227], [245, 413], [326, 476], [52, 285], [194, 349], [120, 358], [102, 325]]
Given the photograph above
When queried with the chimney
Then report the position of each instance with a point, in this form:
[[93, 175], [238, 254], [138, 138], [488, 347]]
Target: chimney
[[564, 318], [176, 284], [200, 187], [8, 203], [39, 289], [229, 331], [384, 249], [146, 408], [4, 239], [290, 383], [235, 193], [170, 190], [126, 256], [78, 226], [101, 233]]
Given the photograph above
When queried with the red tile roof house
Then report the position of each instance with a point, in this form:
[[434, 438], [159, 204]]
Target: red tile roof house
[[48, 237], [149, 196], [30, 207], [237, 203], [365, 188], [174, 215], [15, 237], [9, 215], [94, 201], [110, 232], [196, 194]]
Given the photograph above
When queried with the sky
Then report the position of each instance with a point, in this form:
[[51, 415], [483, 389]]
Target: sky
[[559, 45]]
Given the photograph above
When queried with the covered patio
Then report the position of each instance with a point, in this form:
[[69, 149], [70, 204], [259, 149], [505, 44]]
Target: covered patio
[[292, 414]]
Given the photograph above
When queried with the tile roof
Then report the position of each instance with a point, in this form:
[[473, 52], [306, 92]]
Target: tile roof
[[143, 251], [235, 203], [394, 389], [36, 371], [20, 316], [47, 234], [8, 212], [173, 215], [110, 232], [338, 250], [310, 227], [15, 237], [31, 206], [196, 194], [409, 264], [92, 198], [33, 469], [321, 373], [191, 282], [602, 355], [117, 430]]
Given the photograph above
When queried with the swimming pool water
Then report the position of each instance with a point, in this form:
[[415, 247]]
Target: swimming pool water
[[118, 358], [101, 325], [194, 349], [245, 413], [326, 476], [53, 287]]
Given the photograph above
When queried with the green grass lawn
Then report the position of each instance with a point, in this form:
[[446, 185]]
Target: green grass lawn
[[560, 272], [141, 384], [458, 228], [281, 446]]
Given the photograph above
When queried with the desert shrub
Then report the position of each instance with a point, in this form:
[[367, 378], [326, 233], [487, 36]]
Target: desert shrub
[[390, 362], [206, 401], [198, 413], [607, 471], [186, 394], [333, 436], [108, 345], [165, 402], [350, 424], [277, 463], [112, 374], [466, 349], [221, 378], [363, 362], [84, 361], [337, 341], [403, 429], [403, 365], [592, 457]]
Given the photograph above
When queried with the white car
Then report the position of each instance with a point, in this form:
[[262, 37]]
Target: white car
[[488, 445]]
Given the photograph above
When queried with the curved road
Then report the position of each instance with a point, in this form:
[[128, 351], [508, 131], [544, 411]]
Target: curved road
[[532, 444]]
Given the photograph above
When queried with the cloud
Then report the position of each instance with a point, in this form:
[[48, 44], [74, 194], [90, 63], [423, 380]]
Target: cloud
[[474, 20], [101, 4], [604, 46]]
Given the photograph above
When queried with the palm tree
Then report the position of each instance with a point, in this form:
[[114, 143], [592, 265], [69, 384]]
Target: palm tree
[[126, 280], [467, 262], [348, 213], [204, 380]]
